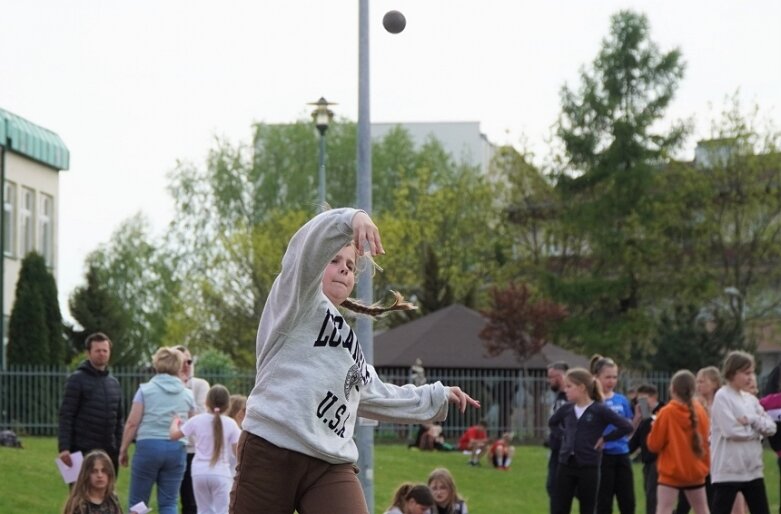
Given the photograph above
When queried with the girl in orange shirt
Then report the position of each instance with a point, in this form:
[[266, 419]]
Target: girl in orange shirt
[[679, 436]]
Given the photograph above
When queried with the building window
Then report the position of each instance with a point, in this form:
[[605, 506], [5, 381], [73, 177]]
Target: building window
[[9, 218], [46, 229], [27, 221]]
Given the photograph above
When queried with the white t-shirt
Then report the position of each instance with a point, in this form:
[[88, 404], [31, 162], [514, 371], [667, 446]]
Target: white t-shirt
[[201, 428]]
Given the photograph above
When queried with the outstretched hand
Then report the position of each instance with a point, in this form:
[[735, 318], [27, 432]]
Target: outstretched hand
[[364, 230], [462, 399]]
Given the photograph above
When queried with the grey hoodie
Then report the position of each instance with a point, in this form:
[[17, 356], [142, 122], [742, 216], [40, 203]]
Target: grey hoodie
[[313, 380]]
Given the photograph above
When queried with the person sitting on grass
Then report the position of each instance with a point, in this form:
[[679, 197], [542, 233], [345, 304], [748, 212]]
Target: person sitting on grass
[[501, 452], [446, 497], [474, 440], [411, 499]]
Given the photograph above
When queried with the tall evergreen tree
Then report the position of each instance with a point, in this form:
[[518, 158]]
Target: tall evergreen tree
[[613, 152], [36, 332], [96, 309]]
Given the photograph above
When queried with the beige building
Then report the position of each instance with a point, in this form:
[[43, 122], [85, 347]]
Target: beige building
[[31, 158]]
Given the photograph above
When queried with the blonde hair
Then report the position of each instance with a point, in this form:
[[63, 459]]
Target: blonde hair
[[598, 363], [168, 360], [712, 373], [366, 262], [217, 401], [584, 377], [444, 476], [683, 386], [377, 309], [238, 403], [736, 361], [78, 499]]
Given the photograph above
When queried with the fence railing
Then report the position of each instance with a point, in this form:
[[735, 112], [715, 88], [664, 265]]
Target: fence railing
[[512, 400]]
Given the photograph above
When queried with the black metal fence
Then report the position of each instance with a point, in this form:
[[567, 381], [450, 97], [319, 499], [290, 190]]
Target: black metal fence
[[512, 400]]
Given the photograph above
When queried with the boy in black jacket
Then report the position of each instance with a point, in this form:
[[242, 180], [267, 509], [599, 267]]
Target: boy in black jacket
[[647, 405]]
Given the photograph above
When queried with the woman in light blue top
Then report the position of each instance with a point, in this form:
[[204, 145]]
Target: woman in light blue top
[[157, 458]]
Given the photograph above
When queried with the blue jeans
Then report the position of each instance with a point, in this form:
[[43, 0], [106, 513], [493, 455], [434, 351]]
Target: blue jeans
[[161, 462]]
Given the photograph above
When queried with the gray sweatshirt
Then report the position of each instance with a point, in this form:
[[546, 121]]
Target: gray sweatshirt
[[312, 378]]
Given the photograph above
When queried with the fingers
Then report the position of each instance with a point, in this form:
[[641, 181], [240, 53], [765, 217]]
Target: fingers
[[365, 231], [462, 399]]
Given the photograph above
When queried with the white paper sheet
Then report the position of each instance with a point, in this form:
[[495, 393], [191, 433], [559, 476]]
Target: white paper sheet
[[140, 508], [70, 474]]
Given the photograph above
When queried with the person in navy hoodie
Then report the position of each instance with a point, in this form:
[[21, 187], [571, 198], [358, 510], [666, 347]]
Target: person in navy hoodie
[[615, 477], [583, 423]]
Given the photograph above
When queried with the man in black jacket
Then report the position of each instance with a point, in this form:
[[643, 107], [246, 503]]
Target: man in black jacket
[[556, 371], [91, 414]]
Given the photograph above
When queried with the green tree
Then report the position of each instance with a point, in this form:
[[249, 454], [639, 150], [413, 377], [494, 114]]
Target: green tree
[[137, 273], [237, 214], [741, 169], [692, 337], [96, 308], [608, 182], [36, 332]]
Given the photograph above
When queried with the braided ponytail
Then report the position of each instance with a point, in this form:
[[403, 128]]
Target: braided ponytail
[[683, 386], [377, 309]]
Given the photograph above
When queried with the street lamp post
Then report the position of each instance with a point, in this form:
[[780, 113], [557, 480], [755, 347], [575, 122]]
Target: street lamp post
[[322, 117]]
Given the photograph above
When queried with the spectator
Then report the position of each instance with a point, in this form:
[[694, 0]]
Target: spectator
[[200, 389], [238, 408], [680, 438], [216, 435], [91, 415], [647, 406], [502, 451], [93, 492], [474, 441], [615, 478], [158, 459], [738, 423], [446, 497], [411, 499], [556, 371], [584, 419]]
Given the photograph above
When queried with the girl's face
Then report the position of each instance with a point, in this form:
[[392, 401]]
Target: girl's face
[[742, 379], [705, 386], [413, 507], [339, 276], [575, 392], [99, 476], [608, 378], [441, 492]]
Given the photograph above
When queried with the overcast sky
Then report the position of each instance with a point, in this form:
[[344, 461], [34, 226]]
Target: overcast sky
[[132, 87]]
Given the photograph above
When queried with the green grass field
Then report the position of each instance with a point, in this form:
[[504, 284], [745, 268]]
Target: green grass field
[[30, 483]]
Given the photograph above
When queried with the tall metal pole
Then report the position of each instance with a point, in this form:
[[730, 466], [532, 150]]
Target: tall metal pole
[[321, 172], [364, 328], [2, 255]]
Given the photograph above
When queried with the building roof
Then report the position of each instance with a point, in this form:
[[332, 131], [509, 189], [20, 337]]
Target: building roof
[[33, 141], [449, 338]]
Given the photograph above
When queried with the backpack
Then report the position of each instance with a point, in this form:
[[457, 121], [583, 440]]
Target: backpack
[[8, 438]]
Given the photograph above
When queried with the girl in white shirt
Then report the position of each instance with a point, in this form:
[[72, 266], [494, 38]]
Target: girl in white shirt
[[738, 424], [216, 436]]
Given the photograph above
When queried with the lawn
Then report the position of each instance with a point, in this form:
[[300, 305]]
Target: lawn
[[30, 483]]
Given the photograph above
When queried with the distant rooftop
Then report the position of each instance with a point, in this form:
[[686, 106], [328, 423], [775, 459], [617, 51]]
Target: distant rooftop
[[33, 141], [463, 140]]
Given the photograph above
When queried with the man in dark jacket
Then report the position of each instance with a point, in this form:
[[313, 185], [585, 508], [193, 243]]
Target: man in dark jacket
[[91, 414], [556, 371]]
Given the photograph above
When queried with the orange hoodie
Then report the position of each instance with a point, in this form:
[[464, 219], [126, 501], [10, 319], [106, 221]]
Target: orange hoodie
[[671, 440]]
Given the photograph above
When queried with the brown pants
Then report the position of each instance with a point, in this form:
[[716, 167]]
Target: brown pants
[[272, 480]]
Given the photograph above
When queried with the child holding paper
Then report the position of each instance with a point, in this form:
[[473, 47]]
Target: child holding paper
[[93, 491]]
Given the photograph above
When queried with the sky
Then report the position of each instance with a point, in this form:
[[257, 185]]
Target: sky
[[133, 87]]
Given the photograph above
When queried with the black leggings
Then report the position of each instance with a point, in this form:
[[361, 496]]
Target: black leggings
[[753, 491], [616, 479], [573, 480]]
